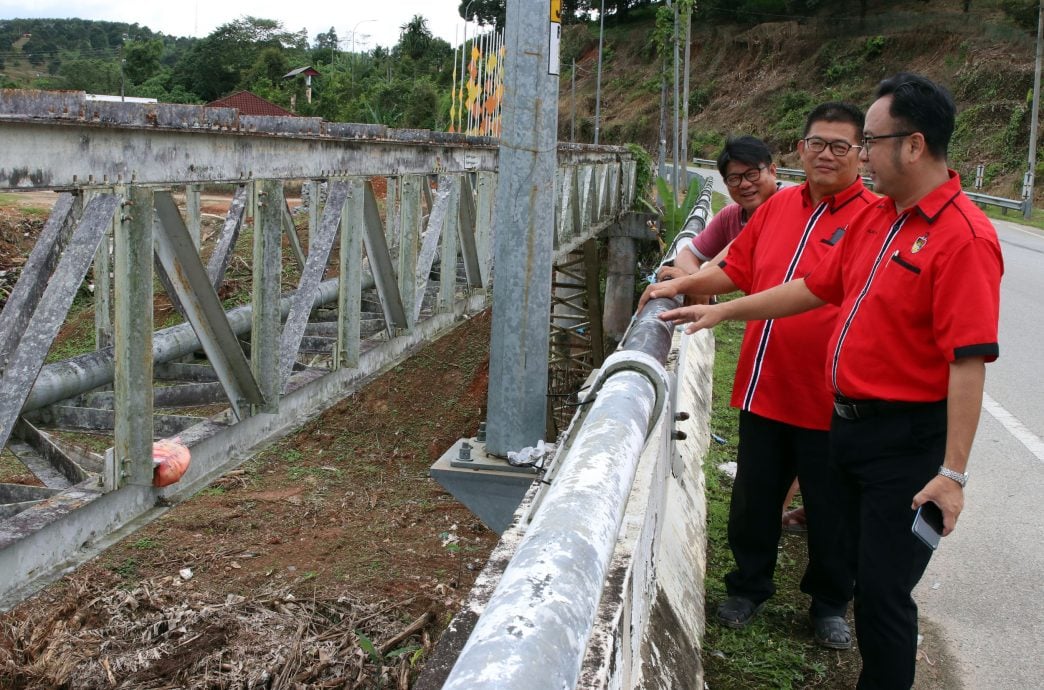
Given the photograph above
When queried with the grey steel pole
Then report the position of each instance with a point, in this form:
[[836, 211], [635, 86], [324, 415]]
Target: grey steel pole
[[674, 131], [598, 76], [661, 168], [572, 100], [685, 98], [1027, 204], [523, 222], [79, 374]]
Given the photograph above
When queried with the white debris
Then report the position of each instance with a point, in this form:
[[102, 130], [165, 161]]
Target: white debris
[[728, 468]]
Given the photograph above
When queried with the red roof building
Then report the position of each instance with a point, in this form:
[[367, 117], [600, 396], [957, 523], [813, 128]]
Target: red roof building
[[248, 103]]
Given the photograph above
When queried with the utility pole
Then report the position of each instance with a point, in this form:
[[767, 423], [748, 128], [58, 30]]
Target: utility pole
[[685, 96], [123, 79], [676, 129], [598, 77], [572, 119], [1027, 188], [523, 224]]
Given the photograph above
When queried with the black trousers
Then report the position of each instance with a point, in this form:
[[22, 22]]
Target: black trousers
[[884, 460], [770, 455]]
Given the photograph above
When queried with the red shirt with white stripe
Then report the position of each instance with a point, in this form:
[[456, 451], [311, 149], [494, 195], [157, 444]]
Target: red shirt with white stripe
[[917, 290], [778, 375]]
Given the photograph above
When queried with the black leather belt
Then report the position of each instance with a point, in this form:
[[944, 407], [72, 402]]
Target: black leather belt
[[861, 409]]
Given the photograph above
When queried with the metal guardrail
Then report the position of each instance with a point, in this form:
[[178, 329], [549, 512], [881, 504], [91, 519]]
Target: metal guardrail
[[1001, 202], [1012, 204], [534, 631]]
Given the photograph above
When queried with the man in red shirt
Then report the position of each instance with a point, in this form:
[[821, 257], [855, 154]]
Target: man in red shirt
[[784, 407], [917, 278], [745, 163]]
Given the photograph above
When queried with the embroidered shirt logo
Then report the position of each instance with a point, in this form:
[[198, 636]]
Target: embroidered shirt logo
[[919, 243]]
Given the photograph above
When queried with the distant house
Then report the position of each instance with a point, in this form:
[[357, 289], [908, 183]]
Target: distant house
[[307, 72], [250, 104]]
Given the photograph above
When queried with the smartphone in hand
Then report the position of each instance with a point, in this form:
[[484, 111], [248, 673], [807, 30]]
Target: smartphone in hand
[[928, 524]]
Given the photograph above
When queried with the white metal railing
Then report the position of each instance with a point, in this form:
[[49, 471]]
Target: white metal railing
[[534, 631]]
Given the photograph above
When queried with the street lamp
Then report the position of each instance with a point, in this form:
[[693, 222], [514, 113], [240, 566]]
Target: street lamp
[[357, 25]]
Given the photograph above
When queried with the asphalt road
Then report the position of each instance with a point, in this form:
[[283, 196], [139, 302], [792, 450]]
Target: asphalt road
[[984, 589]]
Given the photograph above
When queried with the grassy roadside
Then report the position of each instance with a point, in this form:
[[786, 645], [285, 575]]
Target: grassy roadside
[[776, 650], [1037, 221]]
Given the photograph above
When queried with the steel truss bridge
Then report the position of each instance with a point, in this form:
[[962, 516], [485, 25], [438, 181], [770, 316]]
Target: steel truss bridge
[[373, 276]]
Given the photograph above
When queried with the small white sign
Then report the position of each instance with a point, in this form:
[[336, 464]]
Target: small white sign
[[553, 49]]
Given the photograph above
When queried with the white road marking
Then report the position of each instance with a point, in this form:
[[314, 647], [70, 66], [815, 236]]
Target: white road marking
[[1016, 428]]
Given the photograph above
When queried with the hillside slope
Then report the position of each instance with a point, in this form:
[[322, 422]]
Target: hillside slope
[[763, 79]]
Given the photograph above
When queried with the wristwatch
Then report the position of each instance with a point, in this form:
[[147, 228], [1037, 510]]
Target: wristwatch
[[960, 478]]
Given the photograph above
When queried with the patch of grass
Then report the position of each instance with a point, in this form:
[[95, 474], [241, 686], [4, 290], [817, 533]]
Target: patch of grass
[[146, 543], [38, 212], [776, 650], [127, 569], [1036, 221], [296, 472]]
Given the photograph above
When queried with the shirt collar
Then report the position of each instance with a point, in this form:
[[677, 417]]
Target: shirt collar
[[835, 201], [933, 203]]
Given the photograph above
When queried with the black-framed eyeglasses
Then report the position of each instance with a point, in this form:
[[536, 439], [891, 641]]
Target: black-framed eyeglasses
[[867, 141], [752, 175], [838, 147]]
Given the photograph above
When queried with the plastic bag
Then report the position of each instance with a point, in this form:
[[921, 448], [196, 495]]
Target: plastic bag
[[170, 461]]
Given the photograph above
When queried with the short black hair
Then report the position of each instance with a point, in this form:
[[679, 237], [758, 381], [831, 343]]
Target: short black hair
[[921, 105], [745, 149], [836, 111]]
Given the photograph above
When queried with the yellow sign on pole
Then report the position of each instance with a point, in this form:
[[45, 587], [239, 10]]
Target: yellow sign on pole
[[556, 11]]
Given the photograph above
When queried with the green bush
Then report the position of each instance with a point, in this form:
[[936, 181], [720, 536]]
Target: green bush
[[705, 144], [642, 175]]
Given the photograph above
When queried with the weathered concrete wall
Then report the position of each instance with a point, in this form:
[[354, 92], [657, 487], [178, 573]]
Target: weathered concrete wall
[[650, 624]]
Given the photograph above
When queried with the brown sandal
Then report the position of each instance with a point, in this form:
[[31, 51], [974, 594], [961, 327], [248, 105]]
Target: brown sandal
[[794, 520]]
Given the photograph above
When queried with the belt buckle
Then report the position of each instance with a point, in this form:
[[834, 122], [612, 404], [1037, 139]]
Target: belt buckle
[[846, 410]]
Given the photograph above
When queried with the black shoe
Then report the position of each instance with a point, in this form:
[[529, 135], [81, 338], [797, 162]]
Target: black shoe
[[831, 632], [737, 612]]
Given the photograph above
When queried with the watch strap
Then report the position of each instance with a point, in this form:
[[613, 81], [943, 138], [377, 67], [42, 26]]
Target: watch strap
[[960, 478]]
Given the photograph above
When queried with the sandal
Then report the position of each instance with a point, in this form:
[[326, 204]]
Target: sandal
[[794, 520], [832, 632], [737, 612]]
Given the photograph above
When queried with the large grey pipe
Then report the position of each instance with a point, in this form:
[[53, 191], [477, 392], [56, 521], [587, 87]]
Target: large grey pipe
[[535, 629], [79, 374]]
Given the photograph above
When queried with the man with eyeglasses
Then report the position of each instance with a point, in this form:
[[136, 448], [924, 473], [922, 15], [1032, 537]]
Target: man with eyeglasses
[[917, 279], [784, 407], [745, 163]]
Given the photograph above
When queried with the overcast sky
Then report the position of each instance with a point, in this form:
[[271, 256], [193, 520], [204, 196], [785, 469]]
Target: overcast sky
[[378, 22]]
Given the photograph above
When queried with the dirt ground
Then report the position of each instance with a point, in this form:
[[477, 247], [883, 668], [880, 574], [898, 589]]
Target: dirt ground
[[328, 560]]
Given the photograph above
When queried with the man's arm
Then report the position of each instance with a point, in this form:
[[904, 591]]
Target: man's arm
[[787, 299], [710, 280], [685, 263], [688, 261], [963, 404]]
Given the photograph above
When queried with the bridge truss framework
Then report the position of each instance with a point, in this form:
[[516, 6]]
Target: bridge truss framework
[[414, 263]]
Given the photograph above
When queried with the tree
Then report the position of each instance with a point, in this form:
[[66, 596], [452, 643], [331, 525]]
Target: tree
[[326, 40], [415, 37], [141, 59], [90, 75], [271, 64], [220, 62]]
